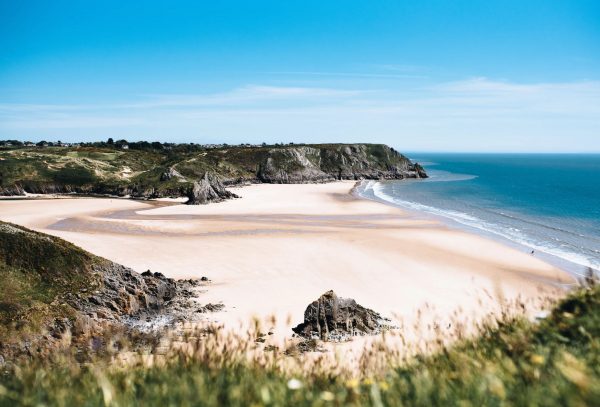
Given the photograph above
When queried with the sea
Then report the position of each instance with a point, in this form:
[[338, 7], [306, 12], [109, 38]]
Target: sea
[[545, 204]]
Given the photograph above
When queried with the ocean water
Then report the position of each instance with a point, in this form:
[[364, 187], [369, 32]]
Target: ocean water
[[541, 202]]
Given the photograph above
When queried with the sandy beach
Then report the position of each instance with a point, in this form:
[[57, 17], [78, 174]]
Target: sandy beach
[[279, 247]]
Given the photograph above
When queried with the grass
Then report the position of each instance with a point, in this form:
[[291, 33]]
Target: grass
[[36, 270], [555, 362]]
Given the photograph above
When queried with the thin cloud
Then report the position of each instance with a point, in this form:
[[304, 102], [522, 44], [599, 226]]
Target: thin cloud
[[243, 95], [484, 85], [480, 110], [350, 74]]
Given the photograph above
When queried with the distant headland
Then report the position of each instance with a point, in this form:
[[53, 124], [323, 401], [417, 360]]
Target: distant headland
[[199, 171]]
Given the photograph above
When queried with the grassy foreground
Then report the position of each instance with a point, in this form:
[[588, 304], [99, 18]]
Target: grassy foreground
[[554, 362]]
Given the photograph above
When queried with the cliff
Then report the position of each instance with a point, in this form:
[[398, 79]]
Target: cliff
[[335, 162], [200, 174]]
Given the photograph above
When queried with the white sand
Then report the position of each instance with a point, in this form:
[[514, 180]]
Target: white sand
[[281, 246]]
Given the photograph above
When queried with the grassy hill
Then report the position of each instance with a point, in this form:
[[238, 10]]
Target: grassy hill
[[36, 272]]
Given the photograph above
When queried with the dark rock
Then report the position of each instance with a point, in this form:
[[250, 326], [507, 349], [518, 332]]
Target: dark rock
[[335, 319], [305, 345], [420, 171], [204, 279], [211, 308], [208, 189], [15, 190]]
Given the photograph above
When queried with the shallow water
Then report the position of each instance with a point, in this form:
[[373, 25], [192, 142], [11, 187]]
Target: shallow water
[[547, 203]]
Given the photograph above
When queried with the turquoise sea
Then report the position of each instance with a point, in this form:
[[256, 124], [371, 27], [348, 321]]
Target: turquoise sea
[[546, 203]]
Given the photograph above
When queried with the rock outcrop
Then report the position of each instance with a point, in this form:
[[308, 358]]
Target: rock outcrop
[[208, 189], [125, 293], [303, 164], [75, 291], [293, 166], [337, 319], [15, 190]]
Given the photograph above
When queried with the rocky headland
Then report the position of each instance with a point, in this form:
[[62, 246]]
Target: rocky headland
[[200, 174]]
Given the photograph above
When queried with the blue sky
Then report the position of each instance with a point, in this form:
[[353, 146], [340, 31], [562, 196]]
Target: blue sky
[[420, 76]]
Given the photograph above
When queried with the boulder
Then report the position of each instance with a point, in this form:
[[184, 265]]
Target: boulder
[[336, 319]]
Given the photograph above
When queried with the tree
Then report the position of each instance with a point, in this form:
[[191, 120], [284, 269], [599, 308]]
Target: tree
[[110, 141]]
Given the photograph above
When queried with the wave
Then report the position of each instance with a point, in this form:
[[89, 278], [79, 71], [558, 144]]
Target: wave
[[511, 233], [445, 176]]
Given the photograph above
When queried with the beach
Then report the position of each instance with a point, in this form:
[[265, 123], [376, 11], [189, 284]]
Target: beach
[[279, 247]]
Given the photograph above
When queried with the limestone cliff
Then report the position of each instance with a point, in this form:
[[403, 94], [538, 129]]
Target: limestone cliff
[[336, 162]]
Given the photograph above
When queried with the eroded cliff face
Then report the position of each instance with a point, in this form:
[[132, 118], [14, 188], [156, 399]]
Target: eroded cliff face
[[336, 162], [292, 165]]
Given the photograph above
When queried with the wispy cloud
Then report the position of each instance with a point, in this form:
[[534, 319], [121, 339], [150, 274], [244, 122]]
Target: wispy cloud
[[352, 74], [246, 95], [475, 113], [482, 85]]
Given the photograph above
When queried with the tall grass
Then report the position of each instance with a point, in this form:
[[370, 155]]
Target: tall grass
[[512, 361]]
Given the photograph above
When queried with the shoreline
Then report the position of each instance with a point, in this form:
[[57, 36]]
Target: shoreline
[[280, 247], [576, 270], [565, 265]]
